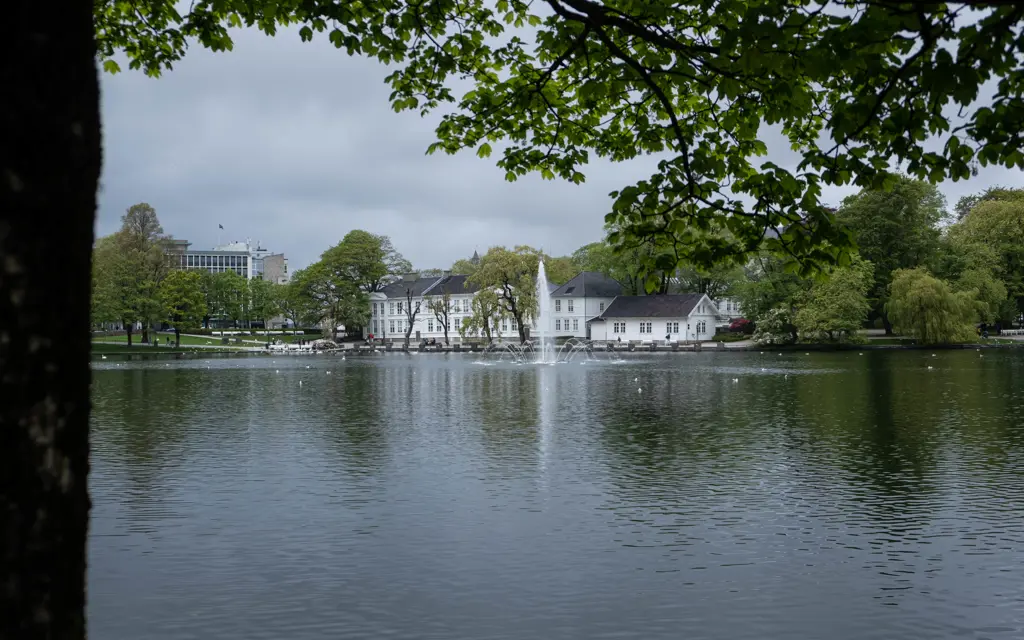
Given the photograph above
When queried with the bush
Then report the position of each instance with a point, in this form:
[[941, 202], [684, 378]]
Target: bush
[[775, 327], [729, 337]]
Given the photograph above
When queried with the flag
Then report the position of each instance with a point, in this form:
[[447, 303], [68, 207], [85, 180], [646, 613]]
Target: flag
[[221, 226]]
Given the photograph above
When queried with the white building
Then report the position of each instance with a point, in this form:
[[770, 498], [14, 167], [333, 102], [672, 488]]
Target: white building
[[390, 308], [243, 258], [687, 317], [728, 310], [579, 300]]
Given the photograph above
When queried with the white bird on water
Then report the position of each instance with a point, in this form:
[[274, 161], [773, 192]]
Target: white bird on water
[[930, 367], [103, 357], [300, 383], [735, 379], [639, 390], [636, 379]]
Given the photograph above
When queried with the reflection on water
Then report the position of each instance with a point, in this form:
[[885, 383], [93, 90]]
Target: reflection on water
[[733, 496]]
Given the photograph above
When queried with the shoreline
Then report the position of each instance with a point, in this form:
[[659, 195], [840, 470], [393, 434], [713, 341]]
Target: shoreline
[[146, 353]]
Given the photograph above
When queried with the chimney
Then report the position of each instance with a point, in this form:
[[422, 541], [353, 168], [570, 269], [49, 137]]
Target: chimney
[[447, 273], [410, 277]]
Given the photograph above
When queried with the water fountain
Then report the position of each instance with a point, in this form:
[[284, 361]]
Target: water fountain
[[543, 315]]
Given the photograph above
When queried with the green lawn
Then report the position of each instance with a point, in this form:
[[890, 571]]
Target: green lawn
[[185, 340], [113, 348]]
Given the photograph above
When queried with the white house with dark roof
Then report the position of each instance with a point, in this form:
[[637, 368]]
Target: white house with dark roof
[[585, 296], [687, 317], [389, 315]]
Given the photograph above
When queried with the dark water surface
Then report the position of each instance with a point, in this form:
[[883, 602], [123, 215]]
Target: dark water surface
[[836, 496]]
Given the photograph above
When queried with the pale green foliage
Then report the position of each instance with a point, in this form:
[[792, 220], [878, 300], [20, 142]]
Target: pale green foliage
[[511, 274], [229, 293], [486, 311], [328, 297], [994, 231], [836, 306], [183, 300], [775, 327], [464, 267], [988, 292], [560, 270], [926, 308], [263, 300], [854, 92]]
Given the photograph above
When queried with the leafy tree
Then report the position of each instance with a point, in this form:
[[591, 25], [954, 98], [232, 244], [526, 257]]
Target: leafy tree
[[144, 244], [293, 304], [229, 293], [692, 81], [366, 260], [835, 307], [465, 267], [511, 274], [559, 270], [263, 301], [184, 302], [993, 232], [329, 297], [441, 307], [966, 203], [988, 292], [716, 282], [895, 229], [770, 282], [486, 312], [926, 308]]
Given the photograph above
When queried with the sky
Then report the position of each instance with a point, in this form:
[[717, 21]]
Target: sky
[[294, 144]]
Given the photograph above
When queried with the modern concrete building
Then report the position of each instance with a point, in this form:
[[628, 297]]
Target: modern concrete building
[[688, 317], [243, 258]]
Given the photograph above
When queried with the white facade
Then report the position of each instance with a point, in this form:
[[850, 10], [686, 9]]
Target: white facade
[[728, 310], [697, 326], [570, 314]]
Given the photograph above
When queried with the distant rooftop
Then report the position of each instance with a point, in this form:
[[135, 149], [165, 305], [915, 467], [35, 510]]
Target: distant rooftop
[[670, 306], [589, 283]]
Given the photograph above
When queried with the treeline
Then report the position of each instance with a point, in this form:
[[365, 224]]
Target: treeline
[[920, 271]]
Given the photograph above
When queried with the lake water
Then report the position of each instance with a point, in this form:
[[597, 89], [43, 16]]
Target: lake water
[[731, 496]]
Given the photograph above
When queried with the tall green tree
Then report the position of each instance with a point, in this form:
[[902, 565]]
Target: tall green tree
[[836, 306], [263, 301], [993, 232], [329, 297], [1005, 194], [770, 282], [926, 308], [229, 292], [988, 292], [144, 245], [366, 260], [183, 300], [511, 274], [441, 308], [896, 229]]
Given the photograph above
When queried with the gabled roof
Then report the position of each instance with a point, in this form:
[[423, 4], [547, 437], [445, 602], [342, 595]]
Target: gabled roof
[[453, 285], [670, 306], [589, 283], [418, 286]]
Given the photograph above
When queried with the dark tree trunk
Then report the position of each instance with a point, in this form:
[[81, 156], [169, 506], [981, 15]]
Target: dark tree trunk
[[128, 332], [49, 168], [145, 333], [177, 337], [887, 324]]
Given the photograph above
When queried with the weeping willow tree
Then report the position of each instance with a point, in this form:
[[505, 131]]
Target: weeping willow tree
[[925, 308]]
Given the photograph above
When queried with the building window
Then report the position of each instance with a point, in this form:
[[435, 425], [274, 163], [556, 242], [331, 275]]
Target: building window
[[504, 326], [417, 307], [600, 306], [391, 308], [515, 325], [558, 306], [391, 326], [430, 325], [575, 324], [675, 327], [558, 324], [401, 306], [649, 327], [668, 327], [569, 305]]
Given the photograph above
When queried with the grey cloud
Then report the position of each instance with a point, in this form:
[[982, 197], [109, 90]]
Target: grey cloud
[[294, 144]]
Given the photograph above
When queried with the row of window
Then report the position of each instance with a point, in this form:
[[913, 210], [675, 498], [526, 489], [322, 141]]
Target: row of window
[[670, 327], [400, 326], [192, 260], [398, 308], [239, 270], [575, 324], [569, 306]]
